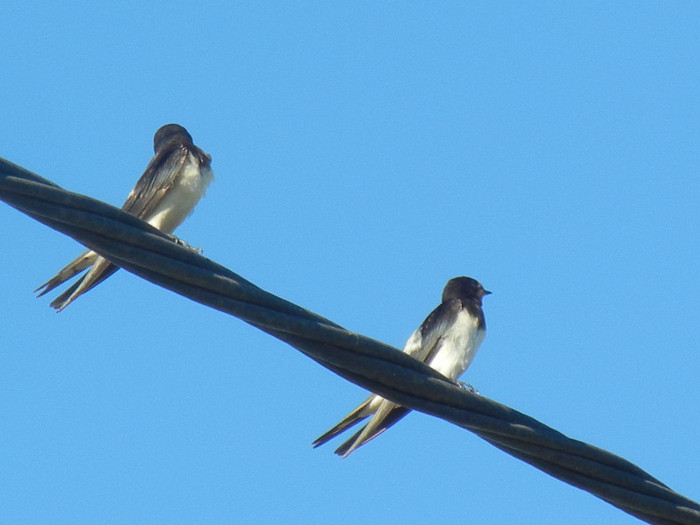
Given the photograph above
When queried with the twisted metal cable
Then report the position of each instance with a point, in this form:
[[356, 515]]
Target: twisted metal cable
[[145, 251]]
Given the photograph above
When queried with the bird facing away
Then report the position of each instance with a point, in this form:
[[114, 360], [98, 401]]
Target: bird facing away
[[165, 195], [447, 341]]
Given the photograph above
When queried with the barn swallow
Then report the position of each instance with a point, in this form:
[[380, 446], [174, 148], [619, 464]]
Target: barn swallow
[[447, 341], [165, 195]]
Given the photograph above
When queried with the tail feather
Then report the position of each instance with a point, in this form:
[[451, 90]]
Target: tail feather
[[352, 419], [386, 416], [85, 259], [100, 270]]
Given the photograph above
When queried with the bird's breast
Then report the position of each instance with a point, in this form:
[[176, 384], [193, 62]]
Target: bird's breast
[[458, 346], [180, 199]]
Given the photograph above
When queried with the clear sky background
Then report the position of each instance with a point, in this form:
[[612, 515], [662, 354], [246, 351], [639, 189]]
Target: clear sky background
[[364, 154]]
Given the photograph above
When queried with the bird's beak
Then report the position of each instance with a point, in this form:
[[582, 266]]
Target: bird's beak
[[486, 292]]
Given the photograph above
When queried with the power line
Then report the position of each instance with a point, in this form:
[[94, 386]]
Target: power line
[[141, 249]]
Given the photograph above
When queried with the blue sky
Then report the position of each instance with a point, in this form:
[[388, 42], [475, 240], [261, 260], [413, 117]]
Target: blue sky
[[364, 154]]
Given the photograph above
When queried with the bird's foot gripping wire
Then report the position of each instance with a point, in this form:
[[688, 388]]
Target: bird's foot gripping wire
[[185, 244], [469, 388]]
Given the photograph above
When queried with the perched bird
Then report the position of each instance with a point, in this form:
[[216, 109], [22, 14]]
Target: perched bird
[[164, 196], [446, 341]]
